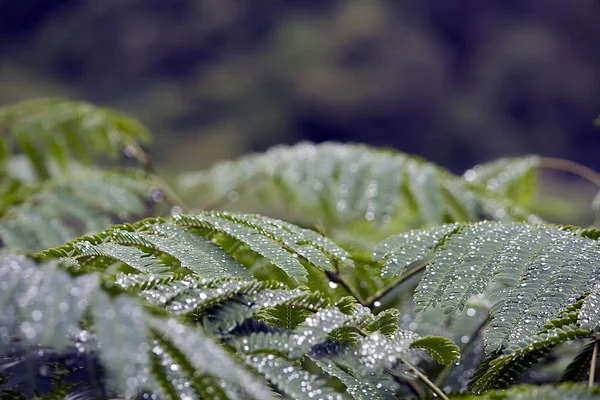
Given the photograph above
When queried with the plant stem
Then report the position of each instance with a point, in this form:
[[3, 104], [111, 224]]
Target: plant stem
[[239, 188], [425, 380], [334, 276], [593, 363], [572, 167], [144, 158], [370, 301]]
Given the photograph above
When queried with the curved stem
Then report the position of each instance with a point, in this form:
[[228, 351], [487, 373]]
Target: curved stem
[[334, 276], [144, 158], [571, 167]]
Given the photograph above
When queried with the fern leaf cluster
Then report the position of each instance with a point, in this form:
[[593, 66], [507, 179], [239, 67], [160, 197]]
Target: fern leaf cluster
[[64, 207], [545, 392], [541, 282], [56, 131], [49, 193], [338, 185], [42, 317], [224, 305], [535, 271], [175, 293]]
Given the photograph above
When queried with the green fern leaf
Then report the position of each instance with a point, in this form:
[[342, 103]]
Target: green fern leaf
[[589, 316], [290, 379], [77, 128], [341, 186], [544, 392], [502, 371], [510, 177], [443, 350], [122, 331], [535, 271], [399, 251], [65, 207], [281, 244]]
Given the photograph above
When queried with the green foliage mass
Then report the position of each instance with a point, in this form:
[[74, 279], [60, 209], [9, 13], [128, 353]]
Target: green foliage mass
[[220, 304]]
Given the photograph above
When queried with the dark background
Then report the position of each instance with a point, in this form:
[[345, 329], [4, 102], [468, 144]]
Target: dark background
[[458, 82]]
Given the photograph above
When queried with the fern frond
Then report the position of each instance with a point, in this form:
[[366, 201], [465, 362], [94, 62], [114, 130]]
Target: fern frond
[[78, 202], [124, 333], [589, 316], [372, 387], [56, 130], [290, 379], [545, 392], [508, 177], [340, 185], [502, 371], [284, 245], [536, 271], [443, 350], [399, 251]]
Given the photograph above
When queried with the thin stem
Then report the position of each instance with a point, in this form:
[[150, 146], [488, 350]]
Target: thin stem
[[370, 301], [144, 158], [572, 167], [593, 363], [225, 199], [334, 276], [425, 380]]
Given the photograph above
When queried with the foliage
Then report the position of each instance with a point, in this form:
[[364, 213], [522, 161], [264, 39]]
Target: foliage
[[353, 188], [47, 196], [228, 305]]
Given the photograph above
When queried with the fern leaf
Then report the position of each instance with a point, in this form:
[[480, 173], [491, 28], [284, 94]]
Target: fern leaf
[[281, 244], [344, 185], [511, 177], [358, 387], [273, 239], [502, 371], [290, 379], [77, 128], [401, 250], [123, 331], [443, 350], [201, 257], [75, 203], [589, 316], [535, 272], [533, 392]]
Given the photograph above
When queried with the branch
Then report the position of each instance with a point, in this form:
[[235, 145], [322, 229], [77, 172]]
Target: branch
[[334, 276], [572, 167], [144, 158], [370, 301]]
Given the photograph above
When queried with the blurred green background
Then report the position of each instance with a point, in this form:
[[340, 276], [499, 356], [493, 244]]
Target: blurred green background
[[458, 82]]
